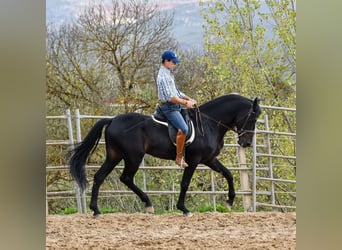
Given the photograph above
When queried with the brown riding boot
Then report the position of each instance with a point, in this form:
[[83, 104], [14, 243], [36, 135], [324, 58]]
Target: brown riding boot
[[180, 142]]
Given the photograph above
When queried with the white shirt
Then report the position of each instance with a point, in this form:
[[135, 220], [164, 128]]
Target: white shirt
[[166, 85]]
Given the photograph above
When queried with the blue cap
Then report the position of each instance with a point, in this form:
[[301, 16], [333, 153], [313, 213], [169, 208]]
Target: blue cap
[[170, 55]]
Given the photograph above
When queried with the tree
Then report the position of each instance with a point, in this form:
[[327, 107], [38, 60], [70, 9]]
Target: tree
[[190, 74], [251, 48], [109, 54], [73, 78], [128, 39]]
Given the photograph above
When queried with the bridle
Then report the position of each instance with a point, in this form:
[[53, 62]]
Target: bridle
[[242, 130], [239, 132]]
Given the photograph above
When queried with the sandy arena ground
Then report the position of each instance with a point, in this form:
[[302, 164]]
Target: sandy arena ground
[[262, 230]]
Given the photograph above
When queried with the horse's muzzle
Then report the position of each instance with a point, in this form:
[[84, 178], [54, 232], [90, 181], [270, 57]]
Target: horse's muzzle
[[244, 143]]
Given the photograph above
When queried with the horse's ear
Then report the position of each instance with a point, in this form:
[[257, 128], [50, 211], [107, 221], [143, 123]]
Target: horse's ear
[[255, 104]]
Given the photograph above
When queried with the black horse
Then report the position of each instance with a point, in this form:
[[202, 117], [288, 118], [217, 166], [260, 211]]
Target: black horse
[[130, 136]]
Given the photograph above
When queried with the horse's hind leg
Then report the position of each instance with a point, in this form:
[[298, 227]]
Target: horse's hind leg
[[99, 177], [127, 178]]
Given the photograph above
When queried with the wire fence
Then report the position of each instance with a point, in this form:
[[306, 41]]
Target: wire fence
[[258, 168]]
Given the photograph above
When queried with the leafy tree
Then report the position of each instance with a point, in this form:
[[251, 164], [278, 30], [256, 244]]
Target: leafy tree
[[190, 74], [251, 48]]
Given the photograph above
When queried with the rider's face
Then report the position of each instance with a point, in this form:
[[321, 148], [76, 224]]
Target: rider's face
[[170, 64]]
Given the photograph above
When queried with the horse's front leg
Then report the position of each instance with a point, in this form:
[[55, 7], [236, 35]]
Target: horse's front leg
[[218, 167], [187, 175]]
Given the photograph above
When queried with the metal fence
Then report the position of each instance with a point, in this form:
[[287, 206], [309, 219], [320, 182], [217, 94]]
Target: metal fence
[[255, 169]]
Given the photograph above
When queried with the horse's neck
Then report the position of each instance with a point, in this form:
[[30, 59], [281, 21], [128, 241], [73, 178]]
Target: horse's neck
[[225, 108], [223, 111], [217, 124], [220, 115]]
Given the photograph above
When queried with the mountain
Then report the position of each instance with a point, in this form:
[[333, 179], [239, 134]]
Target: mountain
[[187, 26]]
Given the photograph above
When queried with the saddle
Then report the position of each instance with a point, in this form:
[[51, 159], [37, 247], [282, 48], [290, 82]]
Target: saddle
[[159, 117]]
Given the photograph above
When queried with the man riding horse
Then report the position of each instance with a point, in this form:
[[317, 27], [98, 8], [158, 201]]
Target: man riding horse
[[130, 136], [172, 100]]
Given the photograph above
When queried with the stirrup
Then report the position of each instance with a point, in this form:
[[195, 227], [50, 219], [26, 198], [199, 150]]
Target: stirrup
[[182, 163]]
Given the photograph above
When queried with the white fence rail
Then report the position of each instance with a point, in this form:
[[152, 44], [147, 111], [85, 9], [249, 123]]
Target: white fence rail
[[247, 169]]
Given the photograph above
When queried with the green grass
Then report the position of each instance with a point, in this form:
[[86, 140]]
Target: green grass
[[219, 208], [210, 208], [203, 208], [68, 210], [107, 210]]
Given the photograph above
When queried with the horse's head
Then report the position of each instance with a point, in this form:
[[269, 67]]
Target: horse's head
[[245, 124]]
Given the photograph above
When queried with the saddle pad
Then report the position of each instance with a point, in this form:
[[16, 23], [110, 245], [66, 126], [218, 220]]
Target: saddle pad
[[158, 117]]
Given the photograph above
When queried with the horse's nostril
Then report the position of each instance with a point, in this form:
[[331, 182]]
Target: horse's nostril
[[245, 144]]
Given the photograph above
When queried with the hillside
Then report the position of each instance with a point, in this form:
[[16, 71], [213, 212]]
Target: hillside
[[187, 27]]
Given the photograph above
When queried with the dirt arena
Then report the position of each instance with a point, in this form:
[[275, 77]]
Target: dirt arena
[[172, 231]]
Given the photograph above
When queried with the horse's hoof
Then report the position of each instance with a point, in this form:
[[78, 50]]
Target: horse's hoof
[[96, 214], [149, 210], [188, 214], [228, 206]]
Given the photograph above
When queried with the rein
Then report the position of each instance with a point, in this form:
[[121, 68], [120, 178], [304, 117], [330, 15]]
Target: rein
[[240, 132], [199, 120]]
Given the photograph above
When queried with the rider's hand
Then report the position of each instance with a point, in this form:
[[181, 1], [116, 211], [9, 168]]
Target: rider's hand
[[195, 102], [190, 103]]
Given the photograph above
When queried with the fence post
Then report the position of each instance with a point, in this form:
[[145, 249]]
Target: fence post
[[46, 198], [79, 139], [212, 179], [244, 179], [270, 165], [71, 143], [254, 172], [144, 175], [173, 195]]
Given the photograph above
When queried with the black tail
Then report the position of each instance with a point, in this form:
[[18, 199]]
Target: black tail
[[80, 154]]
